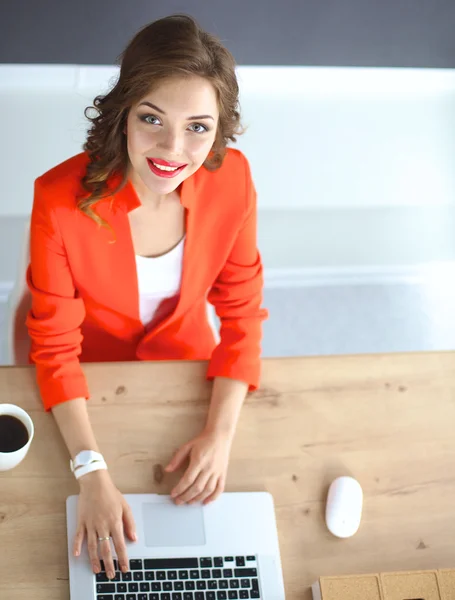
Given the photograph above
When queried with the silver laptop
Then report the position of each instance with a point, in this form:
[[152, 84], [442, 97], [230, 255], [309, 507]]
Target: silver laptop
[[226, 550]]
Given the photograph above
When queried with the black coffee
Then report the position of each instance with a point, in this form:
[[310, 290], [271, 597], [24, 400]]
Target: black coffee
[[13, 434]]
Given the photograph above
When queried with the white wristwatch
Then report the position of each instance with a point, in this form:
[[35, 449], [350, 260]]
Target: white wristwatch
[[85, 458]]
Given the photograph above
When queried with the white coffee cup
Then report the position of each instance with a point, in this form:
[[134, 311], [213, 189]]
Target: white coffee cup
[[9, 460]]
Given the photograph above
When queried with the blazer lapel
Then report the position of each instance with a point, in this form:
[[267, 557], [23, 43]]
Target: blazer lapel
[[117, 252]]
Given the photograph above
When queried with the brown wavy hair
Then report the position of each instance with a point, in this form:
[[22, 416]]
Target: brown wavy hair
[[173, 46]]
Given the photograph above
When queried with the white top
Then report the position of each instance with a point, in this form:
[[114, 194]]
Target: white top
[[159, 280]]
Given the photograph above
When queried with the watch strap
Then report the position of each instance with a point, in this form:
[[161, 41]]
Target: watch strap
[[94, 466]]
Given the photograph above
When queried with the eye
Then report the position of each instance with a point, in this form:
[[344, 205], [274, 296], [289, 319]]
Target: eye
[[146, 118], [203, 130]]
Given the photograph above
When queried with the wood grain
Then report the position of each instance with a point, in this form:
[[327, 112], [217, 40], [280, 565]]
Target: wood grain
[[387, 420]]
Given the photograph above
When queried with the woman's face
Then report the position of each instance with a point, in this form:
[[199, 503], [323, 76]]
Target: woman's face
[[176, 123]]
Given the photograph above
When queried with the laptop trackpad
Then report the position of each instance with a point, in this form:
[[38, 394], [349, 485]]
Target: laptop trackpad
[[172, 525]]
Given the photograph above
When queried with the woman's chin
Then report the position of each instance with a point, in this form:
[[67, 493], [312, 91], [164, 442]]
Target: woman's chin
[[161, 188]]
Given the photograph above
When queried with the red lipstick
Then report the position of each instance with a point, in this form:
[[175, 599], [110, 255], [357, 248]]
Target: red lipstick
[[178, 167]]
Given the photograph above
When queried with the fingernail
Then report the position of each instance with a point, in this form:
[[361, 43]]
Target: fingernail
[[76, 553], [135, 537], [124, 569], [111, 574]]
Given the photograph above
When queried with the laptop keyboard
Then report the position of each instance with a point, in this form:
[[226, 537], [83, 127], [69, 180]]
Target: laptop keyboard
[[217, 578]]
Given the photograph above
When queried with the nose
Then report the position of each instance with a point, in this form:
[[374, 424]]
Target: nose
[[172, 142]]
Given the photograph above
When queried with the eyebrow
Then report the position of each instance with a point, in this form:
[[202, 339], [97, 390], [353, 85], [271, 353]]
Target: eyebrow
[[146, 103]]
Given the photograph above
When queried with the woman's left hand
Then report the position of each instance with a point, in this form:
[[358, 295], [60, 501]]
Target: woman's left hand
[[205, 477]]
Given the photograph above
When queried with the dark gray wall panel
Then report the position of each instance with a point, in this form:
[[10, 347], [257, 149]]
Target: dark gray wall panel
[[393, 33]]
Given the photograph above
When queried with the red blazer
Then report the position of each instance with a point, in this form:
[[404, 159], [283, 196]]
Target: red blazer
[[85, 303]]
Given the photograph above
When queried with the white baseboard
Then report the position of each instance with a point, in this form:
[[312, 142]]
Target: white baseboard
[[278, 278], [359, 275]]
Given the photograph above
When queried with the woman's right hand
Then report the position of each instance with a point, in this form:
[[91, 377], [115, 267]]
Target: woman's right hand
[[102, 511]]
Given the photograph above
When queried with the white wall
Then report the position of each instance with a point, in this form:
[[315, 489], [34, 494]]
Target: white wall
[[353, 166], [317, 137], [350, 138]]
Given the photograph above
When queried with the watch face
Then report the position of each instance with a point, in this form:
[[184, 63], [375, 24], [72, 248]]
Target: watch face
[[84, 456]]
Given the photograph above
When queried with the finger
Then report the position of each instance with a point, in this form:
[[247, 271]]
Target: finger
[[218, 491], [208, 490], [195, 489], [106, 554], [120, 547], [92, 544], [128, 521], [186, 481], [78, 539], [178, 458]]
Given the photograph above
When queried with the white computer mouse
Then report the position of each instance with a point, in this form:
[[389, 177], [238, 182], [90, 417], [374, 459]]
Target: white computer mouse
[[343, 510]]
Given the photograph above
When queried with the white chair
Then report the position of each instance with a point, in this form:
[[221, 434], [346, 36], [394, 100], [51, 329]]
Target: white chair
[[213, 321], [16, 341]]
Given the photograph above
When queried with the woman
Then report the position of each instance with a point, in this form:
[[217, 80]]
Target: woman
[[129, 240]]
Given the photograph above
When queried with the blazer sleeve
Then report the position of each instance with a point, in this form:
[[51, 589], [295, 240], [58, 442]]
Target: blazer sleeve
[[57, 312], [237, 296]]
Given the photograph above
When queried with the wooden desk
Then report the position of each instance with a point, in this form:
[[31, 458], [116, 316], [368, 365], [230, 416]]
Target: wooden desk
[[388, 420]]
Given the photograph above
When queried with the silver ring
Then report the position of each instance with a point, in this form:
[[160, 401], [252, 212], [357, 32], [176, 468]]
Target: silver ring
[[102, 539]]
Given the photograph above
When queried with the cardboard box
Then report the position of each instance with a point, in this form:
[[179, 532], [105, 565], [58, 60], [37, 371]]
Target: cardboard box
[[407, 585]]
